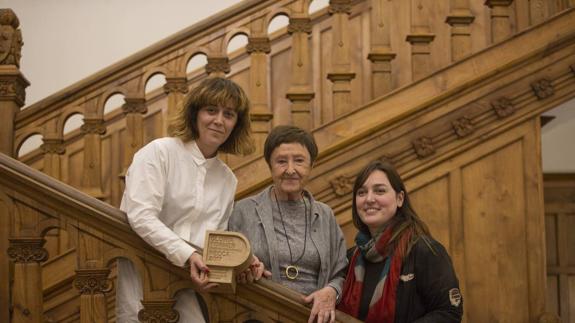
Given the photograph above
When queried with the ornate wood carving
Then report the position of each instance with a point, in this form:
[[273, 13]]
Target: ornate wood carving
[[219, 65], [299, 25], [93, 126], [259, 45], [176, 84], [158, 311], [92, 281], [339, 6], [27, 250], [463, 127], [342, 185], [13, 88], [543, 89], [503, 107], [53, 146], [11, 40], [423, 147], [136, 105]]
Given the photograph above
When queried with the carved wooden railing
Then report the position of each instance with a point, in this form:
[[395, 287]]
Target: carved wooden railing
[[481, 108], [100, 234]]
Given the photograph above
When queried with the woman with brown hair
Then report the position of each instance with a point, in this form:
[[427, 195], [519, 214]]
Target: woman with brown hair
[[177, 189], [397, 272]]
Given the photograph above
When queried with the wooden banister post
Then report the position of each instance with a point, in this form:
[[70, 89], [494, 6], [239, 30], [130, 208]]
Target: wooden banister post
[[380, 53], [92, 284], [175, 88], [27, 253], [420, 40], [300, 92], [92, 129], [460, 19], [12, 98], [158, 311], [53, 147], [341, 74], [500, 22], [259, 48], [134, 109]]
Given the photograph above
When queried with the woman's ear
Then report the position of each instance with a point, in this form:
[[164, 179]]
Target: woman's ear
[[400, 199]]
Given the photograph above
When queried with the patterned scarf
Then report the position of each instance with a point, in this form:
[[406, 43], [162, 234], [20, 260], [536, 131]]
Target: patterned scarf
[[382, 305]]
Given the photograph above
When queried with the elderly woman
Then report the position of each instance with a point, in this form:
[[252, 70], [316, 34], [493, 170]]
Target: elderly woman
[[295, 236], [408, 275], [177, 188]]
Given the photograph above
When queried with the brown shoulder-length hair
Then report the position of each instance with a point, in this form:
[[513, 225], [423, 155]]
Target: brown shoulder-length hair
[[215, 91], [405, 217]]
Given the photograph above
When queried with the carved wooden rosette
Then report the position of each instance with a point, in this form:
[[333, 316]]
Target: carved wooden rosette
[[158, 311], [423, 147], [218, 66], [500, 22], [463, 127], [339, 6], [503, 107], [543, 89], [342, 185], [27, 250], [11, 40], [226, 254], [92, 281], [258, 45]]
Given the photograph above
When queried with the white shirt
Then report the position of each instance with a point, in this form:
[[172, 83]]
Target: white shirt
[[173, 194]]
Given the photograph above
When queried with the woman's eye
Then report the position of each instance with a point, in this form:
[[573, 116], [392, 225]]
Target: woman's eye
[[360, 193], [230, 114]]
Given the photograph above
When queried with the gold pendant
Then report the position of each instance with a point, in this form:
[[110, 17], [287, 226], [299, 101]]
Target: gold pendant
[[292, 272]]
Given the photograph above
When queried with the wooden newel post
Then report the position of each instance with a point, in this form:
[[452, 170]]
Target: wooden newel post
[[92, 284], [27, 253]]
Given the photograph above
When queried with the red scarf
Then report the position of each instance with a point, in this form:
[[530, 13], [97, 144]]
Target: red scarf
[[382, 309]]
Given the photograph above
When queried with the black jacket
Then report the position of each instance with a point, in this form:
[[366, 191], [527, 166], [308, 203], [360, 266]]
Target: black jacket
[[428, 289]]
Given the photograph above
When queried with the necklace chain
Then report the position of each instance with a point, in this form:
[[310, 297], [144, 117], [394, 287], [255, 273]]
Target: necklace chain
[[292, 271]]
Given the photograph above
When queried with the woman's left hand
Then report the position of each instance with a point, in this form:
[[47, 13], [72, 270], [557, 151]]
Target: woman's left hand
[[323, 305]]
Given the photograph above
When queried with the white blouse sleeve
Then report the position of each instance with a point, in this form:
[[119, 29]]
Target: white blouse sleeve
[[142, 202]]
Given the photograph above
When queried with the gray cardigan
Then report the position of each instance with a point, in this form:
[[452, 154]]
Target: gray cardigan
[[252, 217]]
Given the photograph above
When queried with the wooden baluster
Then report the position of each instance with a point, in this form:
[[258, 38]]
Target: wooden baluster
[[92, 129], [500, 22], [300, 92], [134, 109], [341, 74], [27, 253], [380, 53], [92, 284], [175, 88], [460, 19], [53, 148], [12, 97], [158, 311], [218, 66], [258, 47], [420, 38]]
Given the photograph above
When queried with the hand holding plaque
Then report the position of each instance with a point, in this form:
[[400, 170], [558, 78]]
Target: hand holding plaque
[[226, 254]]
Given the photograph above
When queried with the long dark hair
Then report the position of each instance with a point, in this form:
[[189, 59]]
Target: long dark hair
[[405, 218]]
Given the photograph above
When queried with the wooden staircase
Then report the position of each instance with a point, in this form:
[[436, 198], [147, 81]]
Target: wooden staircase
[[451, 94]]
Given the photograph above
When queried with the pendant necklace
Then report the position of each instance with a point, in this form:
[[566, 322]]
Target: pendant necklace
[[292, 271]]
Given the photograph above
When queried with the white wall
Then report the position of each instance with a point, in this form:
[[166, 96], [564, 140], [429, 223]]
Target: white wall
[[67, 40]]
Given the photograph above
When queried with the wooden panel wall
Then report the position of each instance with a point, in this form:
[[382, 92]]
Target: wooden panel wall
[[486, 207], [560, 242]]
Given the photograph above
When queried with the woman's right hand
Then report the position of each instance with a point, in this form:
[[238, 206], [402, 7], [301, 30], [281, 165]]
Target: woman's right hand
[[199, 273]]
